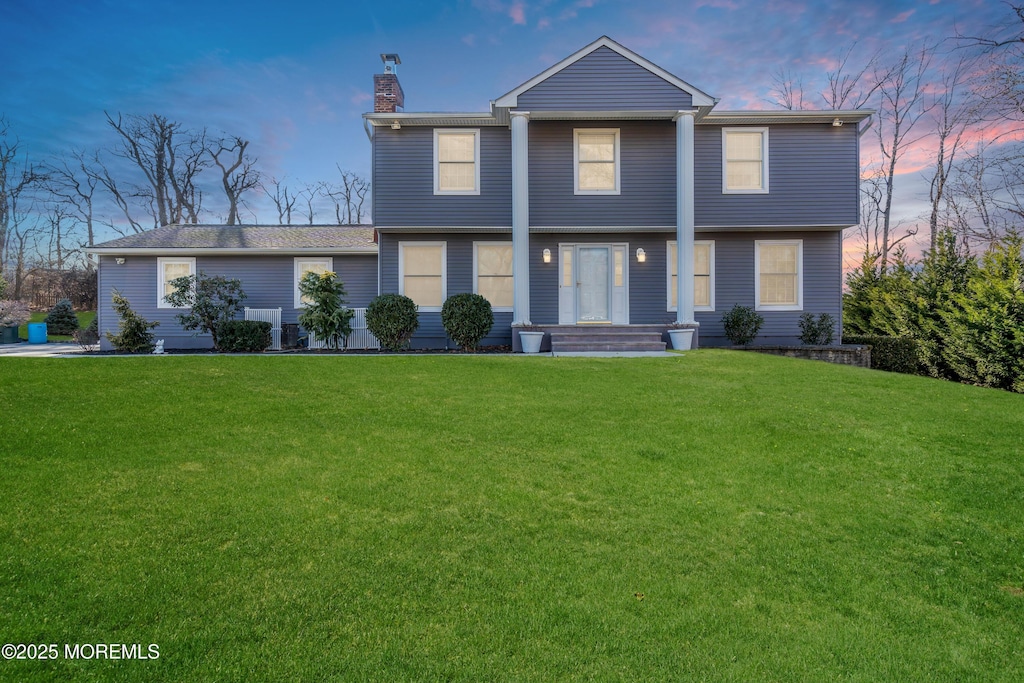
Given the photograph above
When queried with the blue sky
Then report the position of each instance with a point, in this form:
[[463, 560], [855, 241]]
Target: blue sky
[[295, 78]]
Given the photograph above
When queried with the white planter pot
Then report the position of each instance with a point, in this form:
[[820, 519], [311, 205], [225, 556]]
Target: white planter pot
[[531, 341], [682, 340]]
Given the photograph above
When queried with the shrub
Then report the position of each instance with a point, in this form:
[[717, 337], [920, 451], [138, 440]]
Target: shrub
[[14, 313], [893, 354], [467, 318], [88, 336], [210, 301], [742, 324], [62, 318], [134, 335], [244, 336], [818, 332], [326, 315], [392, 319]]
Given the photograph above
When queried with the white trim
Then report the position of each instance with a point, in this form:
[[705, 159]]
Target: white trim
[[475, 132], [444, 270], [160, 282], [496, 309], [670, 266], [576, 160], [799, 306], [764, 160], [510, 99], [326, 261], [241, 251]]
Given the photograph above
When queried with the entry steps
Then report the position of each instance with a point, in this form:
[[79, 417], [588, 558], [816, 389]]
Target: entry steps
[[583, 338]]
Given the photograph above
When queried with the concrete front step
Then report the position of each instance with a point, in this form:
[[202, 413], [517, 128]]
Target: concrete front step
[[607, 336], [563, 346]]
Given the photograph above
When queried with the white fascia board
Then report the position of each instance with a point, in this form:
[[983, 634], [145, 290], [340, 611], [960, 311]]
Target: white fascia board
[[481, 118], [289, 251], [700, 98], [443, 228], [755, 116]]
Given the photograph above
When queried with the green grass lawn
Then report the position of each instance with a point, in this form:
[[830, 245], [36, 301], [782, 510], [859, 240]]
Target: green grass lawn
[[717, 516], [84, 320]]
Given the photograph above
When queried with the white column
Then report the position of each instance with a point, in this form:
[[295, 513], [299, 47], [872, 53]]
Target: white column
[[684, 217], [520, 217]]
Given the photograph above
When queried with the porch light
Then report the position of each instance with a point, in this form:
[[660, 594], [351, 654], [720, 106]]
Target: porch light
[[119, 260], [641, 255], [547, 255], [395, 125]]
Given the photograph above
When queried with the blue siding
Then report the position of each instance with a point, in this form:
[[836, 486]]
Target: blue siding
[[403, 181], [604, 80], [647, 176], [268, 282], [431, 332], [813, 179]]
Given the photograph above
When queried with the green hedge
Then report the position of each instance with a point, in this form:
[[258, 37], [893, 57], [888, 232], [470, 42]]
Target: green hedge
[[893, 354], [467, 318], [392, 319], [243, 336]]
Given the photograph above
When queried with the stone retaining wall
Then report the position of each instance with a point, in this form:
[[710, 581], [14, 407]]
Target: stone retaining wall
[[859, 356]]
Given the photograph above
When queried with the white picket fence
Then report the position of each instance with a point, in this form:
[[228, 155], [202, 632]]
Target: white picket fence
[[268, 315], [361, 338]]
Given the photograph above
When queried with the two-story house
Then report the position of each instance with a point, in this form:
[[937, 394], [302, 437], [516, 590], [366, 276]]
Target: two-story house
[[603, 195]]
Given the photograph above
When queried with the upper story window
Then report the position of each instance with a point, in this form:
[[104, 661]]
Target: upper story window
[[168, 269], [492, 273], [703, 275], [457, 161], [423, 273], [744, 160], [779, 283], [596, 160], [319, 266]]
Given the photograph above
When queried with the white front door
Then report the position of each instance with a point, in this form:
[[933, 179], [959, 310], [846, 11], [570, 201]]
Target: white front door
[[592, 284]]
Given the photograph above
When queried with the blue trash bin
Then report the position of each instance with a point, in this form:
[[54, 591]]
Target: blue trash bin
[[37, 333]]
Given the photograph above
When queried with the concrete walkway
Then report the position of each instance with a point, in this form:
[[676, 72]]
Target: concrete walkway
[[39, 350]]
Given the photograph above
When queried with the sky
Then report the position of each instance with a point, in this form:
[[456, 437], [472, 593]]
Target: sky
[[295, 78]]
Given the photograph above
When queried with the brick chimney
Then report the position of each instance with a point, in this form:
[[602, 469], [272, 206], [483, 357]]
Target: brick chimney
[[387, 91]]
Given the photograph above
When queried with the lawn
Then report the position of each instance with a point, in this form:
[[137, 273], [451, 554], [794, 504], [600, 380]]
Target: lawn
[[84, 319], [717, 516]]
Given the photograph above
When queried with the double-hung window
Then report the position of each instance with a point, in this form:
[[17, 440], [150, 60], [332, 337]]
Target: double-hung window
[[744, 160], [596, 160], [492, 273], [319, 265], [423, 273], [778, 265], [703, 276], [168, 269], [457, 161]]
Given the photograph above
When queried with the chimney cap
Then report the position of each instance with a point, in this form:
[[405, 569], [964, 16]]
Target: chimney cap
[[390, 57]]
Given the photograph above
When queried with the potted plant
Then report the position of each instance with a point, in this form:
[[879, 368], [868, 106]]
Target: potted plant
[[681, 335], [12, 314], [530, 336]]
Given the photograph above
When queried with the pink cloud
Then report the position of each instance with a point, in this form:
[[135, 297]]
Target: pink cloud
[[902, 16], [544, 23], [518, 13]]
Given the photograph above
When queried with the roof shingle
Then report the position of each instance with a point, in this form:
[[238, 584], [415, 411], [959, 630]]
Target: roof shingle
[[243, 237]]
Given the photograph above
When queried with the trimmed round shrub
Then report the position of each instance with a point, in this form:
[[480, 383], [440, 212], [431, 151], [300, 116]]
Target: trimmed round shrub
[[392, 319], [62, 318], [243, 336], [467, 318], [742, 324]]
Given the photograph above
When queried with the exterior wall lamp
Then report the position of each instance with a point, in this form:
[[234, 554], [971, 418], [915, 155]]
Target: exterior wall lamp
[[120, 260], [641, 255], [547, 255]]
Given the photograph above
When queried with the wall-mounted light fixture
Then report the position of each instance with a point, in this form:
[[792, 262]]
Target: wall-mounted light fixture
[[836, 122], [641, 255], [395, 125], [120, 260], [547, 255]]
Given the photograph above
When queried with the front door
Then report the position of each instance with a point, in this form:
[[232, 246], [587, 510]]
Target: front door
[[593, 284]]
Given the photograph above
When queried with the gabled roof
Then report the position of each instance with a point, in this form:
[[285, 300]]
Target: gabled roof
[[246, 239], [700, 98]]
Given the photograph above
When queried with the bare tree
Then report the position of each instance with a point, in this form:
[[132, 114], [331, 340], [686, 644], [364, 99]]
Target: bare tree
[[787, 89], [284, 199], [954, 110], [170, 158], [901, 106], [309, 193], [238, 172], [348, 198], [1005, 36], [17, 181], [73, 181], [847, 86]]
